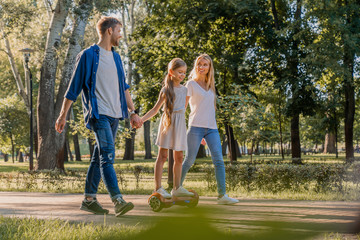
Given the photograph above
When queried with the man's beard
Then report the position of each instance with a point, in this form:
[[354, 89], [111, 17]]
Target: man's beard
[[114, 42]]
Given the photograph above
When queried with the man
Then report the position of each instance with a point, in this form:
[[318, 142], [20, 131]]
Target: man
[[99, 75]]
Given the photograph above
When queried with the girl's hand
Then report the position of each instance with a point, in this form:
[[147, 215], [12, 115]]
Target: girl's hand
[[203, 142]]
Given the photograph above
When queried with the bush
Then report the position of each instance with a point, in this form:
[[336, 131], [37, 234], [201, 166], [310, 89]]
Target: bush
[[279, 177]]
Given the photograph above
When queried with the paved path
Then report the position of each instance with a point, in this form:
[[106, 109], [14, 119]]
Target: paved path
[[248, 215]]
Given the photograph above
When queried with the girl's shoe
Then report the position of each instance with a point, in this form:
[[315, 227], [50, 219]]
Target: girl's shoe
[[181, 192], [163, 193], [226, 200]]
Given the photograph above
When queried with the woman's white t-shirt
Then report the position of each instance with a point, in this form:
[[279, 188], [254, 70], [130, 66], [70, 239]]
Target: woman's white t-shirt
[[202, 106]]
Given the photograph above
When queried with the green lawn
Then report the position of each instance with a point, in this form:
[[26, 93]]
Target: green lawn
[[16, 178]]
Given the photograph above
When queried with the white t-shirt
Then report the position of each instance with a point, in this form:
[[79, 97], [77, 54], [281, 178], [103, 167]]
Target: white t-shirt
[[107, 86], [202, 106]]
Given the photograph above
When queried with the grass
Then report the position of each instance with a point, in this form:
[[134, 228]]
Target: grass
[[196, 224], [30, 229], [338, 236], [14, 177]]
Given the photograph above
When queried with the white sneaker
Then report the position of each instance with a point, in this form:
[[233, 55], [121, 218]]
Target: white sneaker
[[163, 193], [226, 200], [181, 192]]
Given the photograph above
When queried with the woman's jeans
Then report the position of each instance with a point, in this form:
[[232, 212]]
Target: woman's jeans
[[212, 137], [101, 165]]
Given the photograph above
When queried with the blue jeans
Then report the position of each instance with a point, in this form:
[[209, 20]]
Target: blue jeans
[[101, 165], [212, 137]]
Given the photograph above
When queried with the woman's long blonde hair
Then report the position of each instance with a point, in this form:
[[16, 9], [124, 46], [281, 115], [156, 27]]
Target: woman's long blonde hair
[[169, 92], [209, 79]]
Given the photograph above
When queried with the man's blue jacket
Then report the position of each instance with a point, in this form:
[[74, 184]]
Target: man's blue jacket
[[84, 79]]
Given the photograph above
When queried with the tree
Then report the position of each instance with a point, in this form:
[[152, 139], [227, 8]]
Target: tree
[[14, 125], [223, 29], [338, 27], [14, 17], [47, 150], [81, 14], [51, 155], [291, 38]]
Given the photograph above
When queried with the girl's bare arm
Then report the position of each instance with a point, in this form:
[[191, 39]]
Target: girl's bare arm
[[155, 109]]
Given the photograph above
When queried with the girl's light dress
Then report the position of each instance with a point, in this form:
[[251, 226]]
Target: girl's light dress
[[175, 136]]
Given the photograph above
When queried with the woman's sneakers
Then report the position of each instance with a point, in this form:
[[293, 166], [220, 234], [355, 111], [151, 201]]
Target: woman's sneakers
[[163, 193], [181, 192], [226, 200]]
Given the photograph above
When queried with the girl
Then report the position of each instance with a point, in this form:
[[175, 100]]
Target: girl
[[172, 128], [202, 122]]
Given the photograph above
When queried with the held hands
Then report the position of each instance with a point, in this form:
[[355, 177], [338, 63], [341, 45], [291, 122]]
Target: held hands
[[135, 121], [203, 142]]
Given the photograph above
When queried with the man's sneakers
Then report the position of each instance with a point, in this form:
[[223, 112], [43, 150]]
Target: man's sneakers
[[226, 200], [163, 193], [181, 192], [93, 206], [122, 207]]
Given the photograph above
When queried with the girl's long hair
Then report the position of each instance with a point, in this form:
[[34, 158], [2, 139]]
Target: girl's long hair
[[169, 91], [209, 79]]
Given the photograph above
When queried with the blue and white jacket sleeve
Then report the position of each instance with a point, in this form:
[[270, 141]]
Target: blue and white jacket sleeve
[[78, 78]]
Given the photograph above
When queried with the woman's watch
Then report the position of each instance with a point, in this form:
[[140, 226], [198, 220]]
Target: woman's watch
[[133, 112]]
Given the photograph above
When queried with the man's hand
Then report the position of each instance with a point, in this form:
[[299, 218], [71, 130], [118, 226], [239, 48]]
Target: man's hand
[[135, 121], [60, 123]]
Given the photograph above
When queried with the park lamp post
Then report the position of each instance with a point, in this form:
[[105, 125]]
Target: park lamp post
[[26, 52]]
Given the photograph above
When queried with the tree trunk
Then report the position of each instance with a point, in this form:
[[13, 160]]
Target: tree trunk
[[252, 150], [36, 140], [223, 145], [231, 142], [295, 140], [238, 152], [17, 154], [67, 142], [330, 140], [21, 157], [15, 71], [60, 157], [257, 148], [129, 143], [66, 151], [349, 103], [77, 147], [244, 147], [6, 157], [48, 143], [336, 135], [75, 44], [12, 150], [147, 140], [281, 135]]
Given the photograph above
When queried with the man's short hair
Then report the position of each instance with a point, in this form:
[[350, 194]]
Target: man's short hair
[[105, 23]]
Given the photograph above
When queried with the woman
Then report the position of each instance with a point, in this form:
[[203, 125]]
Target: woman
[[202, 123]]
